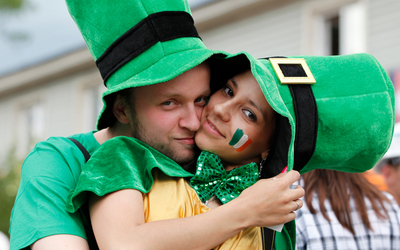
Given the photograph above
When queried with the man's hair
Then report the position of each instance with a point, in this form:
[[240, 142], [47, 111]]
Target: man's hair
[[126, 96]]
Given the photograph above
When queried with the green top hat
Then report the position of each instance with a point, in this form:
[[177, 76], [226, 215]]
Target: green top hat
[[335, 112], [137, 43]]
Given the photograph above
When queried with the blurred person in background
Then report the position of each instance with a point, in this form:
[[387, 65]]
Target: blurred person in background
[[389, 165], [345, 211], [4, 241], [377, 179]]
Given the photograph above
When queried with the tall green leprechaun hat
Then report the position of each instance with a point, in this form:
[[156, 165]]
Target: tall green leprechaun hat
[[335, 112], [138, 42]]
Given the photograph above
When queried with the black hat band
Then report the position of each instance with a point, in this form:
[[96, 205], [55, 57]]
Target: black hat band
[[157, 27]]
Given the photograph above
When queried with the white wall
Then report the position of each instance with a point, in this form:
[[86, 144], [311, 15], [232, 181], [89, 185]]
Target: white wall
[[274, 32], [384, 32], [62, 103], [287, 30]]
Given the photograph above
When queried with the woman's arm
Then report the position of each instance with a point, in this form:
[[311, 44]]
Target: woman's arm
[[118, 218], [61, 241]]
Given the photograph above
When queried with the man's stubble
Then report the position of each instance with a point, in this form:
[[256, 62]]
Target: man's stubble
[[139, 132]]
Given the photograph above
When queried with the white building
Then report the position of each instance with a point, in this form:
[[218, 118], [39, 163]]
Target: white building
[[62, 96]]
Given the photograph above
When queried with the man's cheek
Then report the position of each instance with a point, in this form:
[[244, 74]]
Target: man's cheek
[[199, 111]]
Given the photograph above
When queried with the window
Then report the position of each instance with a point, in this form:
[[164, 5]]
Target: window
[[30, 127], [340, 30], [92, 105]]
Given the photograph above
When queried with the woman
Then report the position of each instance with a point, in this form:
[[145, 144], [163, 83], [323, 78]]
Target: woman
[[345, 211], [252, 121]]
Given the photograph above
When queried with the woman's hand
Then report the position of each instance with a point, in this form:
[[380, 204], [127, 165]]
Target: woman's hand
[[271, 202]]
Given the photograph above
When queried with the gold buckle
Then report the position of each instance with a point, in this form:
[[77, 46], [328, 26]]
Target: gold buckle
[[309, 78]]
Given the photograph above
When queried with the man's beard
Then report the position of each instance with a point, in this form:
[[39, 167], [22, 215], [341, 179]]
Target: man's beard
[[139, 132]]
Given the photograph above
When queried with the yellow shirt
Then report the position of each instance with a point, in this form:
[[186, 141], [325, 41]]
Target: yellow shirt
[[171, 198]]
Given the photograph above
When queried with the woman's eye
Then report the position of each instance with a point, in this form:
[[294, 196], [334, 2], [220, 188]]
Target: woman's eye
[[250, 114], [228, 91]]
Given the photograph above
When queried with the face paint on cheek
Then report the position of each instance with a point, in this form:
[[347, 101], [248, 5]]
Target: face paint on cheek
[[239, 140]]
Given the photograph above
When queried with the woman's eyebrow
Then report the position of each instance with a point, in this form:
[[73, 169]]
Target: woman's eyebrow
[[256, 106], [234, 82]]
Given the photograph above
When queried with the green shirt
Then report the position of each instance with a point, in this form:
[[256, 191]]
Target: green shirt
[[49, 172]]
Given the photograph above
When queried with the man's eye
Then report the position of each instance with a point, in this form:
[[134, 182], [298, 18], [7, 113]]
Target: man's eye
[[202, 100], [228, 91], [250, 114], [168, 103]]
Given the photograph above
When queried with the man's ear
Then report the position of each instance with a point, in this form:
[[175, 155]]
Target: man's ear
[[120, 110]]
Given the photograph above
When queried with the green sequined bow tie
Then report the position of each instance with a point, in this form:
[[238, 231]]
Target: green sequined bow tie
[[212, 179]]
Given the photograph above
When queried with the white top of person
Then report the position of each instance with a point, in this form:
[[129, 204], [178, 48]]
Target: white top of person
[[4, 242]]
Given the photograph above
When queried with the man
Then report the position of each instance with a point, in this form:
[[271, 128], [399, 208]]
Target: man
[[151, 59]]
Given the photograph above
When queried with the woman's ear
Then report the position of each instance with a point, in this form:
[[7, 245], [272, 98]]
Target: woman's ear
[[120, 110]]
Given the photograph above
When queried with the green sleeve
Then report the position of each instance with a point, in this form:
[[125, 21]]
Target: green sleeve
[[49, 172]]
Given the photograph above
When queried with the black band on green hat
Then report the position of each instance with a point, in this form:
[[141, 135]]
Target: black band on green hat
[[157, 27], [306, 115]]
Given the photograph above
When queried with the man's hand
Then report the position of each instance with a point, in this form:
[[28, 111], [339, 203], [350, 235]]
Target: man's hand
[[271, 202]]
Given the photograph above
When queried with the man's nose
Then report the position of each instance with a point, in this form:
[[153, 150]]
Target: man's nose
[[190, 119]]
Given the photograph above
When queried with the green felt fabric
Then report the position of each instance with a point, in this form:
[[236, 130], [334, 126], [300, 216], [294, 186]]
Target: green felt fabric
[[286, 240], [355, 102], [102, 22], [128, 167]]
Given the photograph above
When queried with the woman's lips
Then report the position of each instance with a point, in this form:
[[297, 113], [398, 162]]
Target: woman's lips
[[211, 128]]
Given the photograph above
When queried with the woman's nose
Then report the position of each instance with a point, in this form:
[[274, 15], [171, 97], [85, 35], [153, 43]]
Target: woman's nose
[[222, 111]]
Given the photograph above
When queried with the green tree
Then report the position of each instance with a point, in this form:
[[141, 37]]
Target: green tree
[[9, 182], [11, 4]]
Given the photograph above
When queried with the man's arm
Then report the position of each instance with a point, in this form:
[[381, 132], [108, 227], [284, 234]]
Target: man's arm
[[48, 174], [118, 218], [61, 242]]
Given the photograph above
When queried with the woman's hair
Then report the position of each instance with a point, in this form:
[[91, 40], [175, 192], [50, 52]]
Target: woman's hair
[[338, 187]]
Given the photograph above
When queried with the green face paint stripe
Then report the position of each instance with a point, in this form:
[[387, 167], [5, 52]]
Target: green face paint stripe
[[236, 137]]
